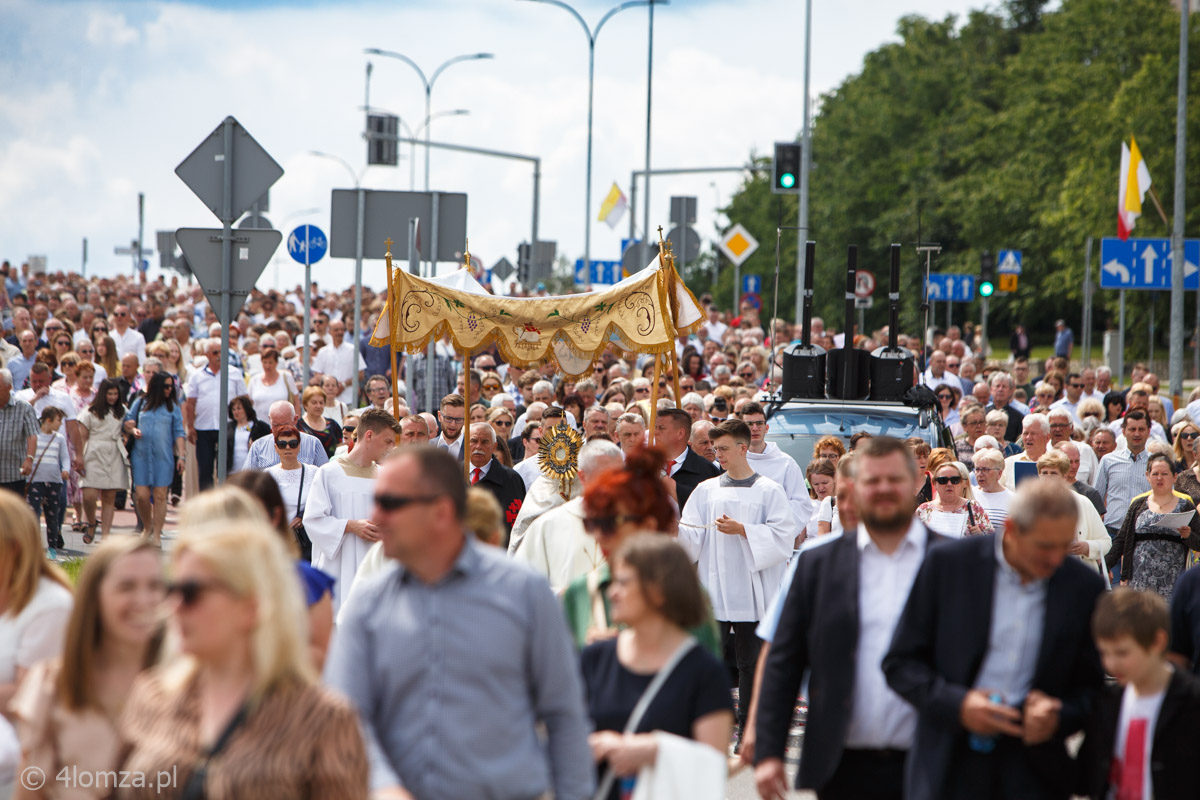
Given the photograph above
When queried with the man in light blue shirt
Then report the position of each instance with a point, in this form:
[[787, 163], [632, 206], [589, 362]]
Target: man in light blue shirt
[[458, 659]]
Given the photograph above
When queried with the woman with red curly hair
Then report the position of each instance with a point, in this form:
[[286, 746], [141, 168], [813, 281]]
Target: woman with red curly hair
[[618, 504]]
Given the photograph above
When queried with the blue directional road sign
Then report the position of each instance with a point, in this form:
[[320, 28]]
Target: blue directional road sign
[[1008, 262], [604, 273], [307, 239], [1146, 264], [951, 288], [751, 284]]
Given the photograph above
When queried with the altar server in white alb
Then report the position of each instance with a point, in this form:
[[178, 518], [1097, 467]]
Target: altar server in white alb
[[739, 528], [768, 460], [337, 515]]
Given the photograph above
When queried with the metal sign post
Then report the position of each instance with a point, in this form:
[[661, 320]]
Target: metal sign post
[[209, 172], [307, 245]]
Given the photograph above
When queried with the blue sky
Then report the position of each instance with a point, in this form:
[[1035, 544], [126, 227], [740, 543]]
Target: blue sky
[[101, 100]]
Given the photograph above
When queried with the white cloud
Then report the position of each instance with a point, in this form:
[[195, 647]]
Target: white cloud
[[104, 99]]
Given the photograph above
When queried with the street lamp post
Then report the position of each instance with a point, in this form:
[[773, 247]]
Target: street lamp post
[[428, 83], [592, 33], [358, 259]]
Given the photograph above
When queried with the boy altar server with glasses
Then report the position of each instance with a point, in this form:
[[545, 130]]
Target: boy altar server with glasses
[[740, 529]]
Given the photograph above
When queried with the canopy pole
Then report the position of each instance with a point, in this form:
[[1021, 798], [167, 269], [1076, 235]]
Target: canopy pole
[[466, 431], [654, 395], [391, 334], [675, 378]]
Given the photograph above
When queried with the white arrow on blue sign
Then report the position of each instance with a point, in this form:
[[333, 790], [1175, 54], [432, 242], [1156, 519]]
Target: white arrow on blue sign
[[1009, 262], [751, 284], [1146, 264], [307, 244], [604, 273], [951, 288]]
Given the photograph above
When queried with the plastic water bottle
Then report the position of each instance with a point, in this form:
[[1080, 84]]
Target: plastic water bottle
[[627, 785], [980, 743]]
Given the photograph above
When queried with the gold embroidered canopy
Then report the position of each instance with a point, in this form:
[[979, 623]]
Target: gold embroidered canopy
[[642, 314]]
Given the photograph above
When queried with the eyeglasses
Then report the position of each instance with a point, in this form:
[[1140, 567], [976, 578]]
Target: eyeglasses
[[945, 397], [395, 502], [288, 444], [1187, 437], [493, 386], [954, 480], [85, 351], [120, 314], [606, 526], [63, 343], [454, 420], [502, 423], [641, 389], [951, 365], [984, 469], [759, 423], [348, 428], [191, 591], [1076, 385], [746, 374], [379, 388]]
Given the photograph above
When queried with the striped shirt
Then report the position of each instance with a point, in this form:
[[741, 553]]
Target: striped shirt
[[1120, 478], [263, 454], [18, 422]]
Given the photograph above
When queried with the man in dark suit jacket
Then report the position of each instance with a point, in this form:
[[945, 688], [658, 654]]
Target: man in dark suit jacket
[[672, 430], [836, 623], [488, 473], [1004, 615]]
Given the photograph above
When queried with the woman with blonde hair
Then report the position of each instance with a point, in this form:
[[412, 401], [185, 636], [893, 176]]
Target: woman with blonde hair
[[237, 713], [35, 596], [66, 709]]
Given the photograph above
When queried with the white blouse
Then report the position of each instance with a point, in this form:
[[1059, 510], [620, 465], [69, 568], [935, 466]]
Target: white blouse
[[37, 632]]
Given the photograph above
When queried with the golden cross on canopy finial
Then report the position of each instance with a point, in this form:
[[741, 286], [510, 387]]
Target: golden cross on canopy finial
[[388, 243], [467, 255]]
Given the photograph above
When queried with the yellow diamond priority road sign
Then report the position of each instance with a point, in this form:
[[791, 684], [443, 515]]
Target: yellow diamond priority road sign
[[737, 244]]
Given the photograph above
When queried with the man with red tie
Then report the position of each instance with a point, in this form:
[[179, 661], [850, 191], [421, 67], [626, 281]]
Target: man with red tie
[[488, 473]]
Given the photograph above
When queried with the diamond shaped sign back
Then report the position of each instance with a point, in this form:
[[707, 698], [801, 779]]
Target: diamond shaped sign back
[[254, 171], [252, 249]]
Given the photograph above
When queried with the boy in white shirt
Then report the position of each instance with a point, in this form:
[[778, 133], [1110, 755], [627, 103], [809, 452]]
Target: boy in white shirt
[[1142, 744]]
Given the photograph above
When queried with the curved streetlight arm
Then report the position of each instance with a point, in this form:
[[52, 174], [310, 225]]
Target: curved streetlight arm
[[457, 112], [375, 51], [578, 18], [622, 7], [338, 159], [455, 60]]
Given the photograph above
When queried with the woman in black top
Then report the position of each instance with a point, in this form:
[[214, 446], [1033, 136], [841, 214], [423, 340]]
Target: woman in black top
[[655, 594], [314, 423]]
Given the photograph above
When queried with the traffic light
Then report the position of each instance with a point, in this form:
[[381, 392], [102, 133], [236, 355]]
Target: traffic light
[[785, 172], [524, 264], [987, 274]]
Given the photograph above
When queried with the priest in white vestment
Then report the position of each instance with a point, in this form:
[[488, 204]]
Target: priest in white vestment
[[556, 545], [337, 516]]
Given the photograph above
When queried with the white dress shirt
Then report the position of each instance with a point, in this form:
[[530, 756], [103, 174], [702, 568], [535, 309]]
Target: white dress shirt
[[341, 362], [131, 341], [880, 718]]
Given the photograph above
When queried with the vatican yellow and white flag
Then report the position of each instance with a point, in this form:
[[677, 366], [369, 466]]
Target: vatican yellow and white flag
[[613, 207], [1135, 182]]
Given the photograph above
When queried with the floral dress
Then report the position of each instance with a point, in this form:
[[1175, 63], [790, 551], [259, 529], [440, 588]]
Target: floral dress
[[1159, 554], [972, 510]]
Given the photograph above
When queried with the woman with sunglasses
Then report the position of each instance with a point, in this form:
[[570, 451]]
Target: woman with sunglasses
[[239, 714], [490, 386], [67, 707], [952, 495], [948, 398], [502, 420], [155, 421], [294, 480], [87, 354], [68, 364]]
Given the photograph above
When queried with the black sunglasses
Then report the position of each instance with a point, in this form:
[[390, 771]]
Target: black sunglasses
[[606, 525], [348, 428], [191, 591], [945, 397], [955, 480], [1188, 436], [395, 502], [287, 444]]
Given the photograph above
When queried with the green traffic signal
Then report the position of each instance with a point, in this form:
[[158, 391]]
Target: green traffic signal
[[987, 289], [787, 180]]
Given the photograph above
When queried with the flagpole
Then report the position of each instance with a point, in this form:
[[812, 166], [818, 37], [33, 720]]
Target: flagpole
[[1158, 205], [1177, 256]]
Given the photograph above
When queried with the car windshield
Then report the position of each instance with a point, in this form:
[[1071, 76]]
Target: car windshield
[[795, 431]]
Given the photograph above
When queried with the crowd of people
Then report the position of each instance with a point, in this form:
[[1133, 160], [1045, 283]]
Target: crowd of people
[[392, 600]]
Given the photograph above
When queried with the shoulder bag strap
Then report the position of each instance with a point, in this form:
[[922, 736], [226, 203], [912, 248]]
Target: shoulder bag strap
[[37, 464], [196, 788], [300, 495], [643, 703]]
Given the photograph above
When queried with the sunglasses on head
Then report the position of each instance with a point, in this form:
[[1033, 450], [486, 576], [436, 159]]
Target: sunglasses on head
[[191, 591], [395, 502], [606, 525], [953, 480], [287, 444]]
